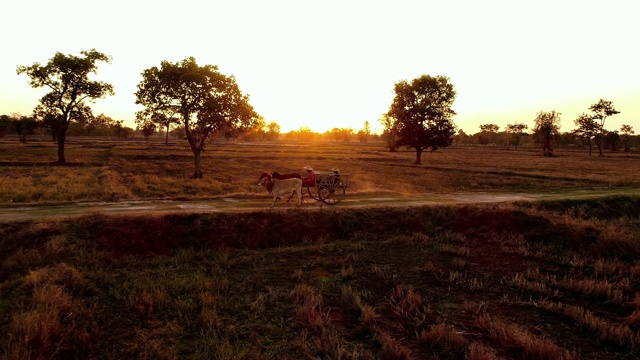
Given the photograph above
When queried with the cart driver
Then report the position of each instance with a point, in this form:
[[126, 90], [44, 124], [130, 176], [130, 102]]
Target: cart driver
[[310, 180]]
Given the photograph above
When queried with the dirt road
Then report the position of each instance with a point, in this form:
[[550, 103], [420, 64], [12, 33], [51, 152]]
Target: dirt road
[[228, 204]]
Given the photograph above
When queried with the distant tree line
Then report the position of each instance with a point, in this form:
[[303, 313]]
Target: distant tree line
[[200, 103], [336, 134], [25, 126], [590, 132]]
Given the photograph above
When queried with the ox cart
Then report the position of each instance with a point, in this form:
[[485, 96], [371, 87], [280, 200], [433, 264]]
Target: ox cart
[[330, 187]]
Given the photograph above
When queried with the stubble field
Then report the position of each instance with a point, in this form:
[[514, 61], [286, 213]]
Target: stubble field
[[132, 170]]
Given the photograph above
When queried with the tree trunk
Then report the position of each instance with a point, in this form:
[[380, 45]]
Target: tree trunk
[[418, 155], [197, 174], [61, 139], [599, 142], [166, 139]]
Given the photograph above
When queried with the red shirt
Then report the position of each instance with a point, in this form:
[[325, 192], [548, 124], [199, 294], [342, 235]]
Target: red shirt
[[310, 180]]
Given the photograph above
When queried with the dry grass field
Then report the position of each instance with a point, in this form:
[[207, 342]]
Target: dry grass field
[[129, 170], [540, 280]]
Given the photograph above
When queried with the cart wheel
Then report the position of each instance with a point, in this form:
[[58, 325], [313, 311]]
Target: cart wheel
[[314, 194], [331, 195]]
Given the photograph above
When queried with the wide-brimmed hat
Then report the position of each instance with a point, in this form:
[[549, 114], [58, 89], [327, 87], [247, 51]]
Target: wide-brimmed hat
[[309, 168], [335, 169]]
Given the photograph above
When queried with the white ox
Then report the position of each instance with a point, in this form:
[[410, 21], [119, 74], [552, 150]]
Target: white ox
[[280, 188]]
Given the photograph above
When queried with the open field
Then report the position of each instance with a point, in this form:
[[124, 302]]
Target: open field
[[555, 279], [542, 280], [133, 170]]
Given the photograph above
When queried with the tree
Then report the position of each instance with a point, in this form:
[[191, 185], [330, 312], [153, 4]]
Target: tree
[[488, 134], [423, 114], [68, 78], [489, 128], [205, 100], [100, 125], [613, 140], [147, 128], [365, 133], [545, 130], [516, 130], [5, 125], [586, 129], [24, 126], [341, 134], [161, 118], [627, 131], [601, 111], [304, 133], [120, 130], [273, 131], [460, 137], [390, 132], [257, 132]]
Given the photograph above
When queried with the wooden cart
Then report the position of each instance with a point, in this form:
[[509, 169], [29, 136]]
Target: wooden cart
[[330, 187]]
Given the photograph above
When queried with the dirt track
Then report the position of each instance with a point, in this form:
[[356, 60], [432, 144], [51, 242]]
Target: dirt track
[[230, 204]]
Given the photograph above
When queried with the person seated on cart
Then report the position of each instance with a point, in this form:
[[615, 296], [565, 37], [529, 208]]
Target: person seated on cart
[[336, 177], [310, 180]]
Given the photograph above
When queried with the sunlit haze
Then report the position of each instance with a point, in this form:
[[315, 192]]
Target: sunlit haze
[[327, 64]]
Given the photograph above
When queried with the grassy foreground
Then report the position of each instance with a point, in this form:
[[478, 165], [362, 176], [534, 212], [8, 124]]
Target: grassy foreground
[[550, 280]]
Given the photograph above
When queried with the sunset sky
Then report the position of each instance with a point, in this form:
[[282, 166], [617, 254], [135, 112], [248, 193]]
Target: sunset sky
[[327, 64]]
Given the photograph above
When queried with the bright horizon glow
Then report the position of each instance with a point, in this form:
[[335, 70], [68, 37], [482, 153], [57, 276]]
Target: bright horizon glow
[[334, 63]]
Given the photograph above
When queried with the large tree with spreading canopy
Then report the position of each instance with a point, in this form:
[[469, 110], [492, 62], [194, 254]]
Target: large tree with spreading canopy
[[205, 100], [423, 114], [68, 78]]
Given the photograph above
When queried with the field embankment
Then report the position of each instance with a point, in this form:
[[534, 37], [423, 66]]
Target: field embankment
[[542, 280]]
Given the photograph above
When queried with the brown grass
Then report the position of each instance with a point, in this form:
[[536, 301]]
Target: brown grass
[[520, 342], [607, 331], [106, 170], [166, 286]]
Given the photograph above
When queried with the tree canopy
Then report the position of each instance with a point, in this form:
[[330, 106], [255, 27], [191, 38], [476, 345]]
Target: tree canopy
[[422, 113], [68, 78], [601, 111], [205, 100], [516, 130], [587, 129], [545, 130], [489, 128]]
